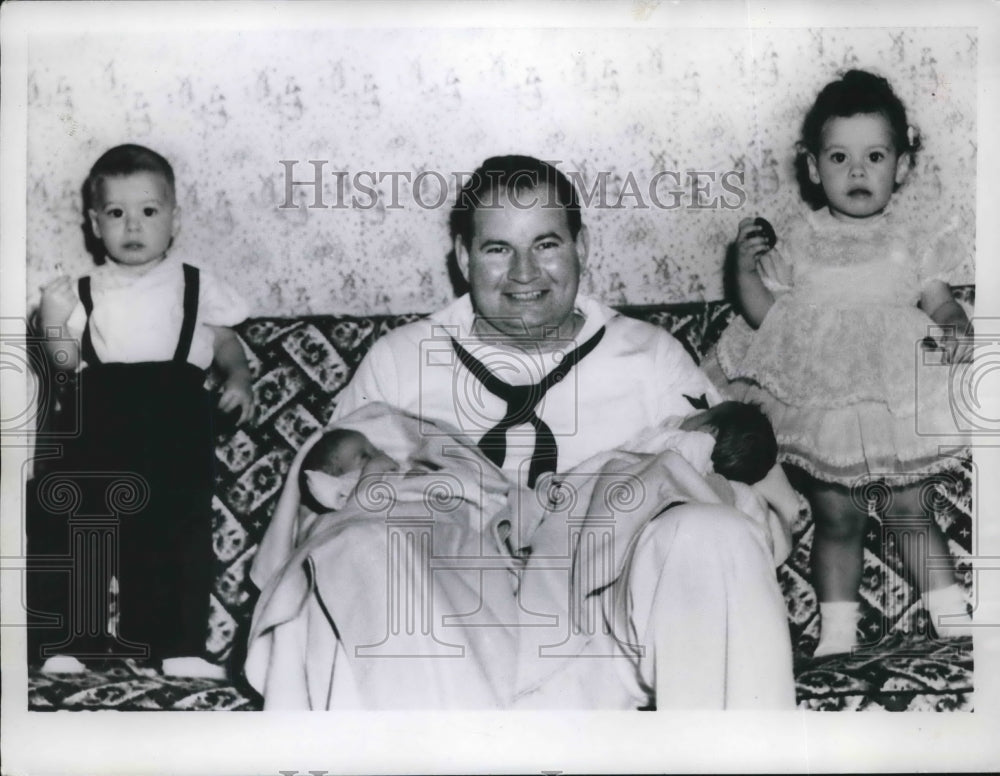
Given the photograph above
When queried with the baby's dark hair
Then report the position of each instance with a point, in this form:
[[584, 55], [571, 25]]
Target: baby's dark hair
[[856, 92], [745, 446], [316, 460], [124, 160]]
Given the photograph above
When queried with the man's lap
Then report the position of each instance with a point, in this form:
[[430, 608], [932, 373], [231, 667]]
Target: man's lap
[[475, 619]]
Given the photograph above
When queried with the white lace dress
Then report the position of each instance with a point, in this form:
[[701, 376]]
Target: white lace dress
[[838, 363]]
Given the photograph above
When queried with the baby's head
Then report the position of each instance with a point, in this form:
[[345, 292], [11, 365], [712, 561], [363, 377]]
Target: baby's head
[[132, 205], [857, 147], [333, 466], [745, 448]]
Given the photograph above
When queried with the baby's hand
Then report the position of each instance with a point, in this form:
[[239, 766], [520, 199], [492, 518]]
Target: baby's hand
[[58, 301], [751, 243], [237, 393]]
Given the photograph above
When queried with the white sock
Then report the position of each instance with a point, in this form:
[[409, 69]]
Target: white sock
[[948, 603], [838, 627], [192, 666], [63, 664]]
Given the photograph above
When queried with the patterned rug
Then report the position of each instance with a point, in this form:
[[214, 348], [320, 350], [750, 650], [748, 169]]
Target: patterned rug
[[898, 674], [901, 674], [123, 685]]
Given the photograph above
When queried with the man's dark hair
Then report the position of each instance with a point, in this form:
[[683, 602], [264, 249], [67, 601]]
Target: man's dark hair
[[745, 446], [513, 176], [125, 160], [316, 460]]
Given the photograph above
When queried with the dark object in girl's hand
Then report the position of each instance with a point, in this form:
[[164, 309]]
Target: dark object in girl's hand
[[765, 230]]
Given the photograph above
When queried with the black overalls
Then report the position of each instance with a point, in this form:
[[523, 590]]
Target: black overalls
[[150, 420]]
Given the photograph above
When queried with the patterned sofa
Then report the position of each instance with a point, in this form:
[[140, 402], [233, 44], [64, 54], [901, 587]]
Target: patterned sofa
[[300, 364]]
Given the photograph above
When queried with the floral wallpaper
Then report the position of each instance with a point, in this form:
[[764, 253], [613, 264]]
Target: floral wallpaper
[[675, 136]]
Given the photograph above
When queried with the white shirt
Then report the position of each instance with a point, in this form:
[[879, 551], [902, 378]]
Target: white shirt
[[139, 319], [634, 378]]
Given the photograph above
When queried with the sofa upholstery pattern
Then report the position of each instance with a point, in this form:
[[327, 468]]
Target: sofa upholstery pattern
[[300, 364]]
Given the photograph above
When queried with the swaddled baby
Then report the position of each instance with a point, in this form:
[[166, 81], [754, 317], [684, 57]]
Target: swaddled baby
[[744, 448], [732, 444], [334, 465]]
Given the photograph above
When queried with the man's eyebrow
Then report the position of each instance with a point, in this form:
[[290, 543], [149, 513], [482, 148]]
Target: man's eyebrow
[[492, 241], [497, 241]]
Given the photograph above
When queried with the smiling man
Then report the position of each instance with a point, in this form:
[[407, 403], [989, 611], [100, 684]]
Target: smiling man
[[541, 378]]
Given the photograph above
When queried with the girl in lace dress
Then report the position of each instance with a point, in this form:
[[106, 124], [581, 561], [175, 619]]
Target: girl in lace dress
[[829, 342]]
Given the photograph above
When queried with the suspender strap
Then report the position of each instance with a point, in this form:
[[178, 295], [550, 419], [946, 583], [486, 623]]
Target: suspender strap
[[87, 351], [521, 402], [191, 289]]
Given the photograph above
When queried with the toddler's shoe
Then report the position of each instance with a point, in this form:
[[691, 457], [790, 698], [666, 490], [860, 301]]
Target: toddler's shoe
[[62, 664], [949, 614], [192, 667]]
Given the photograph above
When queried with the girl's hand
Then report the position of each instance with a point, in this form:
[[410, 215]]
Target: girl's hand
[[774, 269], [750, 245], [58, 301], [237, 394], [957, 350], [938, 301]]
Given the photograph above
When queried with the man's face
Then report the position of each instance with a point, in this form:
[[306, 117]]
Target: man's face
[[523, 267]]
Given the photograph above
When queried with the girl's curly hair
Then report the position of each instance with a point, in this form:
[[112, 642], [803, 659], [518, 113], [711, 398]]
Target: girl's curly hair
[[857, 91]]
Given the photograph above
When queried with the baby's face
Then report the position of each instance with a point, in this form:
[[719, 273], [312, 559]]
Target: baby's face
[[357, 453], [135, 217]]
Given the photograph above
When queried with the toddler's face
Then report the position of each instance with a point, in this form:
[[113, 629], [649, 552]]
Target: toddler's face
[[135, 218], [357, 453], [857, 165]]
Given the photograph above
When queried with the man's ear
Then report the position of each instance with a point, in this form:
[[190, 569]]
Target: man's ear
[[813, 169], [175, 223], [462, 257], [582, 245], [903, 166], [95, 227]]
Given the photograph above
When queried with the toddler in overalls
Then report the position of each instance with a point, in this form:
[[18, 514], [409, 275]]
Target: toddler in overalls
[[149, 325]]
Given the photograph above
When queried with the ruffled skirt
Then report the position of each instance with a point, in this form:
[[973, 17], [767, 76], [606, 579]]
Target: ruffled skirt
[[854, 393]]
